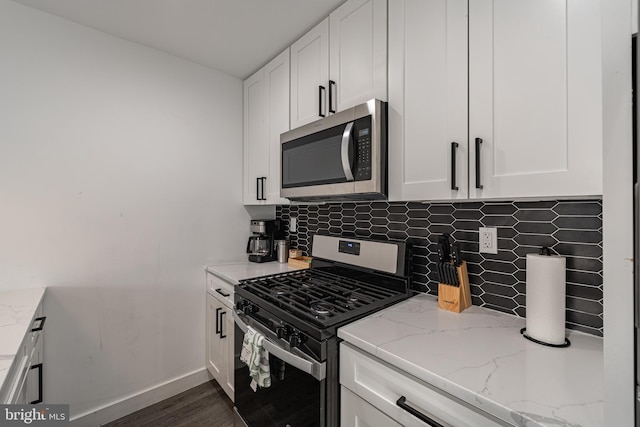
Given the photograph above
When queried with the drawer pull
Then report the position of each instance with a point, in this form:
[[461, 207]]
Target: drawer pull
[[402, 402], [40, 325], [224, 294]]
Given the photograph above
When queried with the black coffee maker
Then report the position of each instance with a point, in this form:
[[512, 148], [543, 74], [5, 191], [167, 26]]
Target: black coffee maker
[[261, 246]]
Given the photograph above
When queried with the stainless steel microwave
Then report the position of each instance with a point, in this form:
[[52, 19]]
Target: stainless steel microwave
[[339, 157]]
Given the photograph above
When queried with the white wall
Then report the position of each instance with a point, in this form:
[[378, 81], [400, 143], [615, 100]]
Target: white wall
[[120, 177]]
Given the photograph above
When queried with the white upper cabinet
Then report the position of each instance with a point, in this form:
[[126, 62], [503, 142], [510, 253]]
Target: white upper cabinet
[[535, 98], [341, 62], [310, 75], [428, 99], [276, 75], [266, 116], [358, 53], [255, 138], [534, 91]]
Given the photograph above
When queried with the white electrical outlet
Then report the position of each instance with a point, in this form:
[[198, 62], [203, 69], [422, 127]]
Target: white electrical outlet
[[293, 224], [488, 240]]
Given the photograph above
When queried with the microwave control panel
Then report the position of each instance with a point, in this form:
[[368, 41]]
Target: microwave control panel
[[363, 149]]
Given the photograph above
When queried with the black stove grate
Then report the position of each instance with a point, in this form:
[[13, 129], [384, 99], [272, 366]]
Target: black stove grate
[[320, 297]]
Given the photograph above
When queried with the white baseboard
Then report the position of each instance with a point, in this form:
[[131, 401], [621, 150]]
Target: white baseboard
[[136, 401]]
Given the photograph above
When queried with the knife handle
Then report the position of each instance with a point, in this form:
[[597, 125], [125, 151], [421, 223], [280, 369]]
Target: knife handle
[[442, 255], [455, 255]]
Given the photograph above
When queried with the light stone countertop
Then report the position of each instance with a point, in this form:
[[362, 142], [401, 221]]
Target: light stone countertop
[[233, 272], [17, 312], [480, 357]]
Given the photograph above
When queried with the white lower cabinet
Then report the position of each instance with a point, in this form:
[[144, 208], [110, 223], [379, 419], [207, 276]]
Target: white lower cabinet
[[220, 332], [355, 411], [378, 387]]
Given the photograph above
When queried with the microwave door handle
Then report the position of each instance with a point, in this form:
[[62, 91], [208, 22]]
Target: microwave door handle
[[346, 140]]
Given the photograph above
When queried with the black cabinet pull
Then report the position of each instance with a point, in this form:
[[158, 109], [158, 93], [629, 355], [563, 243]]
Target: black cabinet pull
[[221, 324], [39, 368], [257, 188], [262, 180], [419, 415], [41, 325], [218, 328], [320, 90], [224, 294], [478, 143], [454, 147], [332, 84]]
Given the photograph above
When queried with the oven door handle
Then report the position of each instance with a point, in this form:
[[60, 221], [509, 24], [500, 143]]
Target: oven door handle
[[316, 369], [344, 152]]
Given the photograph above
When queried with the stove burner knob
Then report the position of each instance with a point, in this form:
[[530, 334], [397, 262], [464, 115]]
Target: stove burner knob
[[241, 304], [249, 309], [281, 331], [294, 339]]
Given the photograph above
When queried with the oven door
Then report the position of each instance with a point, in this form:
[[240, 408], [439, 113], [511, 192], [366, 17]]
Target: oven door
[[298, 385]]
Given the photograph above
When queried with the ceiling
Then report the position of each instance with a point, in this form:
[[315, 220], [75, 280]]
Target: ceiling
[[234, 36]]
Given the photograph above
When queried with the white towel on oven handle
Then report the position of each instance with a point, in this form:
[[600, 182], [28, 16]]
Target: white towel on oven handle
[[256, 357]]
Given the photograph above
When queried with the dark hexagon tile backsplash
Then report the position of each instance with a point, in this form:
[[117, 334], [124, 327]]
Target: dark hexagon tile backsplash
[[570, 228]]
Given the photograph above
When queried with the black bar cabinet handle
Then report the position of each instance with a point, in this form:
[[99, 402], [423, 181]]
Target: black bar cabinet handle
[[221, 324], [402, 403], [218, 328], [320, 90], [39, 368], [454, 147], [331, 85], [258, 189], [224, 294], [41, 325], [478, 143], [262, 180]]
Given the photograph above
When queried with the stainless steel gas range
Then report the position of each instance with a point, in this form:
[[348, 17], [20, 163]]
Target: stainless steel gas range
[[299, 313]]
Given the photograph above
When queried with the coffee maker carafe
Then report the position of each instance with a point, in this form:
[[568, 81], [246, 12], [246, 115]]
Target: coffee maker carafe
[[261, 246]]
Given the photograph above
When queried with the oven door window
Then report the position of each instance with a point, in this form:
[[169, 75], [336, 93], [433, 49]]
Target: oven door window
[[317, 159], [293, 398]]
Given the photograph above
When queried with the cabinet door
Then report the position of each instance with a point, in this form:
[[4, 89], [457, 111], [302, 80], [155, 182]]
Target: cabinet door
[[276, 83], [216, 353], [358, 53], [427, 99], [535, 98], [355, 411], [255, 146], [229, 333], [310, 75]]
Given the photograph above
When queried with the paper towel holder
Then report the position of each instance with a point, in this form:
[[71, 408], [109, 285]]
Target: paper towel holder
[[566, 343], [545, 251]]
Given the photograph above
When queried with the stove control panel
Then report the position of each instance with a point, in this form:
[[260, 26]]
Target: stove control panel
[[349, 247]]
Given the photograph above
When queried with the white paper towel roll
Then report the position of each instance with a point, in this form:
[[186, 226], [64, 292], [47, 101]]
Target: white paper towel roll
[[546, 291]]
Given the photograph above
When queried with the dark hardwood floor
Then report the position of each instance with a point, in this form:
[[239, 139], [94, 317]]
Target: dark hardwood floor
[[205, 405]]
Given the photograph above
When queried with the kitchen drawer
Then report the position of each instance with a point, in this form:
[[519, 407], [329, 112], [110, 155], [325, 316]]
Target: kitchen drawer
[[383, 385], [221, 289], [354, 411]]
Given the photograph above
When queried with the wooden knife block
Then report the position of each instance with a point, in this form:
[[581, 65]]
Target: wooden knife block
[[456, 298]]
